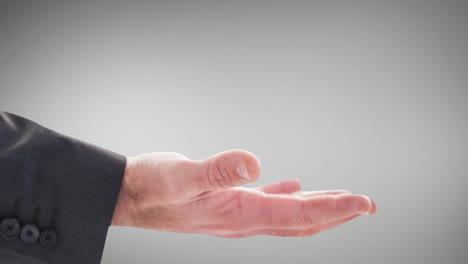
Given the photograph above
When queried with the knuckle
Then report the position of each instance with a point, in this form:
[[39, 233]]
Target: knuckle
[[217, 175], [304, 221]]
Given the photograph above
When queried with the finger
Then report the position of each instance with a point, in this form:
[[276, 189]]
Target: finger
[[310, 231], [336, 223], [372, 211], [280, 211], [292, 232], [325, 209], [226, 169], [336, 192], [288, 186], [316, 193], [374, 208]]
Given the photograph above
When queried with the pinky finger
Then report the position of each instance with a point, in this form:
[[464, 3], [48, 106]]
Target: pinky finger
[[310, 231], [292, 232], [316, 193]]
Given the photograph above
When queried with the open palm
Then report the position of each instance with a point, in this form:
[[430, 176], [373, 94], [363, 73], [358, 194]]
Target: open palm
[[167, 191]]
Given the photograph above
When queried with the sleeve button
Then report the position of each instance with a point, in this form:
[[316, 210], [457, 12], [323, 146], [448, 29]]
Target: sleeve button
[[29, 233], [48, 238], [9, 228]]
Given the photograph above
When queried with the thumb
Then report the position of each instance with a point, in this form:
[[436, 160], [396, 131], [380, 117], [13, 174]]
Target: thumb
[[227, 169]]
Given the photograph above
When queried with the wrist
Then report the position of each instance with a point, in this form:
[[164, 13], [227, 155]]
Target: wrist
[[125, 201]]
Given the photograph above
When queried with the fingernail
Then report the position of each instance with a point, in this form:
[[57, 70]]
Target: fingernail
[[242, 171], [366, 211]]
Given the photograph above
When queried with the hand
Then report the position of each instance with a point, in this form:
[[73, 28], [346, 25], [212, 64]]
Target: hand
[[169, 192]]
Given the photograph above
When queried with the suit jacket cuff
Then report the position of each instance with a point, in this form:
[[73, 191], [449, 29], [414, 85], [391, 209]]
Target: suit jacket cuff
[[56, 183]]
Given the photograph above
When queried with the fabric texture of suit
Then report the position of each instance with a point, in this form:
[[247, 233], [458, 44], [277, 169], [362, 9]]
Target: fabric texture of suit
[[64, 187]]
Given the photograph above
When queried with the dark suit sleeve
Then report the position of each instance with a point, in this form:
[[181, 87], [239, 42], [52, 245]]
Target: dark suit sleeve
[[57, 195]]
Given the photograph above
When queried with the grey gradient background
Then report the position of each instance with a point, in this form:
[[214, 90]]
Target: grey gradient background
[[369, 96]]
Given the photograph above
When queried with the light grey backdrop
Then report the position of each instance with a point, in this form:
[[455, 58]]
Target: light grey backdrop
[[366, 96]]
